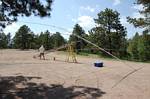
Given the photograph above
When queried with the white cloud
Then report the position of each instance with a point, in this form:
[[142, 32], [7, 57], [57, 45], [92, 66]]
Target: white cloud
[[116, 2], [11, 28], [86, 22], [138, 7], [70, 30], [87, 8], [74, 20], [137, 15]]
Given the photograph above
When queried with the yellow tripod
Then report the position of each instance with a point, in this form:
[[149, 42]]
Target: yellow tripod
[[71, 53]]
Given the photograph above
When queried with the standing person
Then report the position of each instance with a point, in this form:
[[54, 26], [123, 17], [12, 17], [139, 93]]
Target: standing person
[[42, 49]]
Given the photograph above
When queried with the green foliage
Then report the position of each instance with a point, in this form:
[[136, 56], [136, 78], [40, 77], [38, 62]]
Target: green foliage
[[50, 41], [142, 22], [77, 30], [109, 33], [144, 46], [97, 36], [3, 40], [133, 47], [12, 9], [44, 39], [9, 42], [137, 22], [139, 47], [83, 53], [23, 38], [57, 40], [146, 4]]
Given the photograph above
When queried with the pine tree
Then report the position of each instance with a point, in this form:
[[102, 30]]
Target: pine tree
[[142, 22], [57, 40], [143, 47], [109, 32], [23, 38], [45, 40], [9, 41], [3, 40], [133, 47], [139, 47], [10, 10], [79, 43]]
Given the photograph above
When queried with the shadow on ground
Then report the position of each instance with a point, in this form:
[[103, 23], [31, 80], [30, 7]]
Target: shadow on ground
[[21, 87]]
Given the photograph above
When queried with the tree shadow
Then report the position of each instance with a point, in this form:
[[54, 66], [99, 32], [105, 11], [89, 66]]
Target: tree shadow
[[21, 87]]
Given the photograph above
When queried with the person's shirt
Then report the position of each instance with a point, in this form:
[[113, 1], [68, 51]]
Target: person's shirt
[[41, 49]]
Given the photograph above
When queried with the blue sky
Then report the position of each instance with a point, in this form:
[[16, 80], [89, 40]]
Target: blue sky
[[66, 13]]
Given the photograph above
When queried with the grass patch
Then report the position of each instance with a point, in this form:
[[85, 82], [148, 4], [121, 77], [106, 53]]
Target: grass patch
[[83, 54]]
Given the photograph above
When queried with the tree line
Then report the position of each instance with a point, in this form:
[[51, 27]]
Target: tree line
[[139, 47], [26, 39], [108, 33]]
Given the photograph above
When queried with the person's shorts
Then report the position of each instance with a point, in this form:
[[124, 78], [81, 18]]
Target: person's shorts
[[41, 54]]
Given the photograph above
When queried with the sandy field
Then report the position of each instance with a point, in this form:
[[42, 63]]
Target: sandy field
[[24, 77]]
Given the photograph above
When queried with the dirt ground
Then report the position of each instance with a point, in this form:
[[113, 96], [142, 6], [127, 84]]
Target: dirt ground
[[24, 77]]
